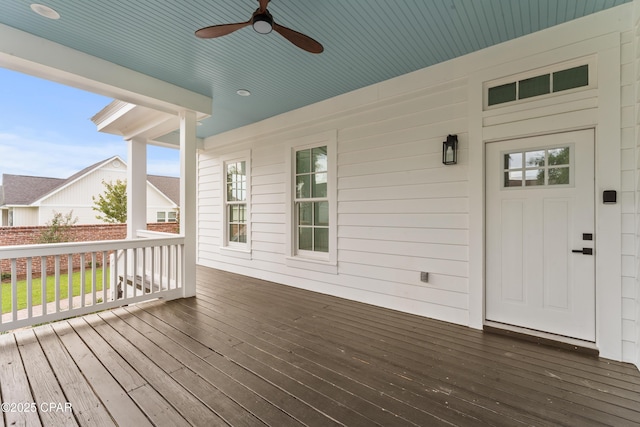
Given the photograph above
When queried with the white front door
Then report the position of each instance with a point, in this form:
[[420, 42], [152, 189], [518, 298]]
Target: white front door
[[540, 261]]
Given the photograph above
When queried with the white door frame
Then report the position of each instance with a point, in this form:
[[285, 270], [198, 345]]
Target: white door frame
[[582, 142], [606, 117]]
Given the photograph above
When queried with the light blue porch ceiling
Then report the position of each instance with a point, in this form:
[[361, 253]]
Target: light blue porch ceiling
[[365, 41]]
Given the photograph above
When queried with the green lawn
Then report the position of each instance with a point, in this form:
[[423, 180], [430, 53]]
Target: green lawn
[[51, 289]]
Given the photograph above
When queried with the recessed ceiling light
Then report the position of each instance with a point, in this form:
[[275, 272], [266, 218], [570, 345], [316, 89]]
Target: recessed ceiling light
[[243, 92], [45, 11]]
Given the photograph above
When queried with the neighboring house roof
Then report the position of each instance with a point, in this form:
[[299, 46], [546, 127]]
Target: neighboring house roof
[[21, 190], [168, 185]]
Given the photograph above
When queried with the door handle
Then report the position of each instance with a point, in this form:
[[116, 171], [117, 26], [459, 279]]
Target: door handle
[[584, 251]]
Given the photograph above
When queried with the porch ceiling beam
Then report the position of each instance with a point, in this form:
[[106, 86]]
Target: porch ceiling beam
[[26, 53]]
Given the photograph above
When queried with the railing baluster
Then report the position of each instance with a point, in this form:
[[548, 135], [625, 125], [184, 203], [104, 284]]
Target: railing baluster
[[94, 282], [125, 273], [144, 270], [57, 282], [181, 262], [70, 281], [169, 262], [174, 263], [153, 269], [134, 261], [161, 266], [43, 284], [83, 280], [29, 288], [14, 289], [117, 283], [105, 263]]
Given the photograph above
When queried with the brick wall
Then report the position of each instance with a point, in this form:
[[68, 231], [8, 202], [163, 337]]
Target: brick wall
[[10, 236]]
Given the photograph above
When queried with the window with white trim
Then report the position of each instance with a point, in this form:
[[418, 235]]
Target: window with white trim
[[236, 202], [235, 209], [557, 79], [311, 201], [171, 216], [535, 168]]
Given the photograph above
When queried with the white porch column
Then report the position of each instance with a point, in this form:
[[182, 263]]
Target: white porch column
[[188, 182], [136, 187]]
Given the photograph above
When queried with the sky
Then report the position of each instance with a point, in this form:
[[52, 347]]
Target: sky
[[46, 130]]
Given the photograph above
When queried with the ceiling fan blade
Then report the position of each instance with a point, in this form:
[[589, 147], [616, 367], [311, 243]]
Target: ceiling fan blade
[[302, 41], [220, 30]]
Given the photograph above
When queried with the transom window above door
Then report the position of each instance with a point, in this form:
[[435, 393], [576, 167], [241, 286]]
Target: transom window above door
[[537, 167]]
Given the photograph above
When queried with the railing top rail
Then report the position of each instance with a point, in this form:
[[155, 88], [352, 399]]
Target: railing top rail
[[153, 234], [21, 251]]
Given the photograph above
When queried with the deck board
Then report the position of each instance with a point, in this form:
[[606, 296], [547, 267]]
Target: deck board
[[454, 372], [246, 352], [338, 366], [188, 405], [14, 384], [87, 406], [115, 399]]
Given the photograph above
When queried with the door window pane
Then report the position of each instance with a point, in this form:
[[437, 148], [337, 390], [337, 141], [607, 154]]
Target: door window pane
[[513, 161], [534, 177], [559, 176], [559, 156], [534, 158], [513, 179]]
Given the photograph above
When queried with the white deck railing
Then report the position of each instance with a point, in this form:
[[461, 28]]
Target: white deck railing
[[39, 280]]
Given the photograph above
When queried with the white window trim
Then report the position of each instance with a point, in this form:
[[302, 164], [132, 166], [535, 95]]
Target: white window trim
[[166, 219], [322, 262], [235, 249]]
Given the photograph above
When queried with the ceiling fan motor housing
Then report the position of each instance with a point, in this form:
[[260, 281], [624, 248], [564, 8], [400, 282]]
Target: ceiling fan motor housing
[[263, 23]]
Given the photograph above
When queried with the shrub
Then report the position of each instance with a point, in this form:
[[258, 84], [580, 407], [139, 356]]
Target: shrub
[[59, 228]]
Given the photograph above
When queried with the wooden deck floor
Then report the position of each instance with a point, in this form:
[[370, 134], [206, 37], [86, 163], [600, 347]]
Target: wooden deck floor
[[246, 352]]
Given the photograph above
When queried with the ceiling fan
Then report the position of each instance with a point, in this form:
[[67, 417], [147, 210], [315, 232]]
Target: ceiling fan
[[262, 22]]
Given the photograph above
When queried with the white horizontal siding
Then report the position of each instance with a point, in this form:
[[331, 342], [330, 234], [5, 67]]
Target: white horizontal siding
[[400, 211]]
